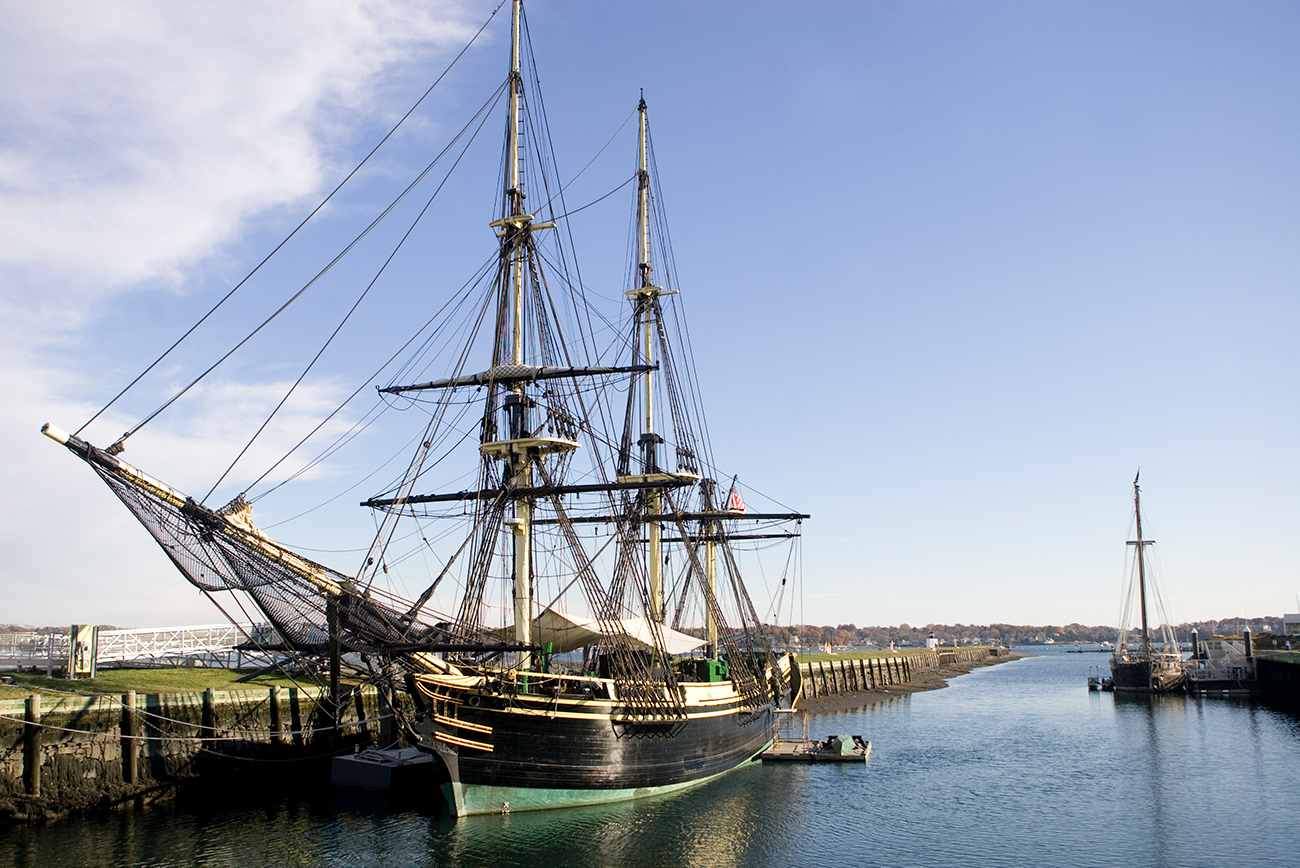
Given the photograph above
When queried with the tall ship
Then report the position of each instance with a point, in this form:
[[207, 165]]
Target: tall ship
[[1138, 664], [584, 633]]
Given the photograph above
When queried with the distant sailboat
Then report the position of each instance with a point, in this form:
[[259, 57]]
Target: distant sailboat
[[1146, 668]]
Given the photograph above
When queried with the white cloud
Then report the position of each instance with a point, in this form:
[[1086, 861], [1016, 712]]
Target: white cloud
[[140, 138], [141, 135]]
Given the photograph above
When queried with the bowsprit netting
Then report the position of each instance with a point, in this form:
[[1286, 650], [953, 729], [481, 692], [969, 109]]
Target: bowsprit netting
[[222, 551]]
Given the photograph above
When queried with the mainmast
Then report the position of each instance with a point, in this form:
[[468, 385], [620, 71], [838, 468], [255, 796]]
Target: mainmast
[[1141, 564], [521, 468]]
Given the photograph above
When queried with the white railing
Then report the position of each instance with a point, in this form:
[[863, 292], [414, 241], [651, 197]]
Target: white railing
[[32, 649], [154, 643], [212, 643]]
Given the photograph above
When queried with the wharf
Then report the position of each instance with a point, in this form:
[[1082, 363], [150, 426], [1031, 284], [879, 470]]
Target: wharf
[[1279, 679]]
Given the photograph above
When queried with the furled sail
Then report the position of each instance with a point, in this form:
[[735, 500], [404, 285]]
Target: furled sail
[[564, 632]]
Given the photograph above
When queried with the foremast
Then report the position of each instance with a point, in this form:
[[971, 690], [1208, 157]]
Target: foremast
[[519, 451]]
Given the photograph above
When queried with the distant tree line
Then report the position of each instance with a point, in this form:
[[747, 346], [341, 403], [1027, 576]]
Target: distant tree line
[[905, 635]]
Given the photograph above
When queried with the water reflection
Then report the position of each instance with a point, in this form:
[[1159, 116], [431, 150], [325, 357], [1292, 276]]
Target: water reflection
[[729, 822]]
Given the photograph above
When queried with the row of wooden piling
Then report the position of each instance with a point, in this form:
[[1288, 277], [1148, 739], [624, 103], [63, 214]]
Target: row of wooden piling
[[133, 732], [834, 677]]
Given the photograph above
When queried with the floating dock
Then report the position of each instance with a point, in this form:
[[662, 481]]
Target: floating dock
[[836, 749]]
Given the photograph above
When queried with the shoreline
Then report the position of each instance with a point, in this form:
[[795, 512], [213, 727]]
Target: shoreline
[[927, 679]]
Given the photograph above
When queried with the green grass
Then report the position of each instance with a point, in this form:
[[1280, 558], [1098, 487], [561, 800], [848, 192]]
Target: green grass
[[118, 681]]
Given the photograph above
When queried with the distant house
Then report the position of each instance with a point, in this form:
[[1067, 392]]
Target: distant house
[[1291, 625]]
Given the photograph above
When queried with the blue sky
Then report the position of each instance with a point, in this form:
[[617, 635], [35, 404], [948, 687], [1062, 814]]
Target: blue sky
[[955, 270]]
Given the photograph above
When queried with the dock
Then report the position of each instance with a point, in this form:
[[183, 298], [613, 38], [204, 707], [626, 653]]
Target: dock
[[792, 748], [836, 749]]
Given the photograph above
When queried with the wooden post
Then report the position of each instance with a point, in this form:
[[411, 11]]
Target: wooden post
[[386, 738], [277, 725], [32, 746], [130, 744], [332, 623], [208, 729], [359, 701], [295, 716]]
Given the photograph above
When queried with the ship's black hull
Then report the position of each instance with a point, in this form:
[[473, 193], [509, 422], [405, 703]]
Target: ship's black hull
[[1139, 675], [539, 759]]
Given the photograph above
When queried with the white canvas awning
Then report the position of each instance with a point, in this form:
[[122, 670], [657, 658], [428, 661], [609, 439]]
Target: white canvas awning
[[566, 633]]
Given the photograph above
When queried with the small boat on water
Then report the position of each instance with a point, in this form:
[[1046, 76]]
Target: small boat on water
[[1144, 666]]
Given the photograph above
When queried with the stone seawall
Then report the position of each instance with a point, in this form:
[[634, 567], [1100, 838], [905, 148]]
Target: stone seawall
[[840, 685], [74, 753], [834, 677]]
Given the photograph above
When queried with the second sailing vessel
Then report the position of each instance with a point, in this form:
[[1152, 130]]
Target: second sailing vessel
[[1146, 667]]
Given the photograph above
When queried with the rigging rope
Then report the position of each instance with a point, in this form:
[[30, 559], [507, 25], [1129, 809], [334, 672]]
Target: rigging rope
[[286, 240], [353, 309], [309, 284]]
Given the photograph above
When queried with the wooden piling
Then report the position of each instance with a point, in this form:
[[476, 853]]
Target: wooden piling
[[829, 685], [130, 744], [295, 716], [277, 725], [359, 703], [386, 738], [32, 746], [209, 726], [332, 624]]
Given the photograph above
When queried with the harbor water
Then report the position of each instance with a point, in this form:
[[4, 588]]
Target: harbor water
[[1012, 765]]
